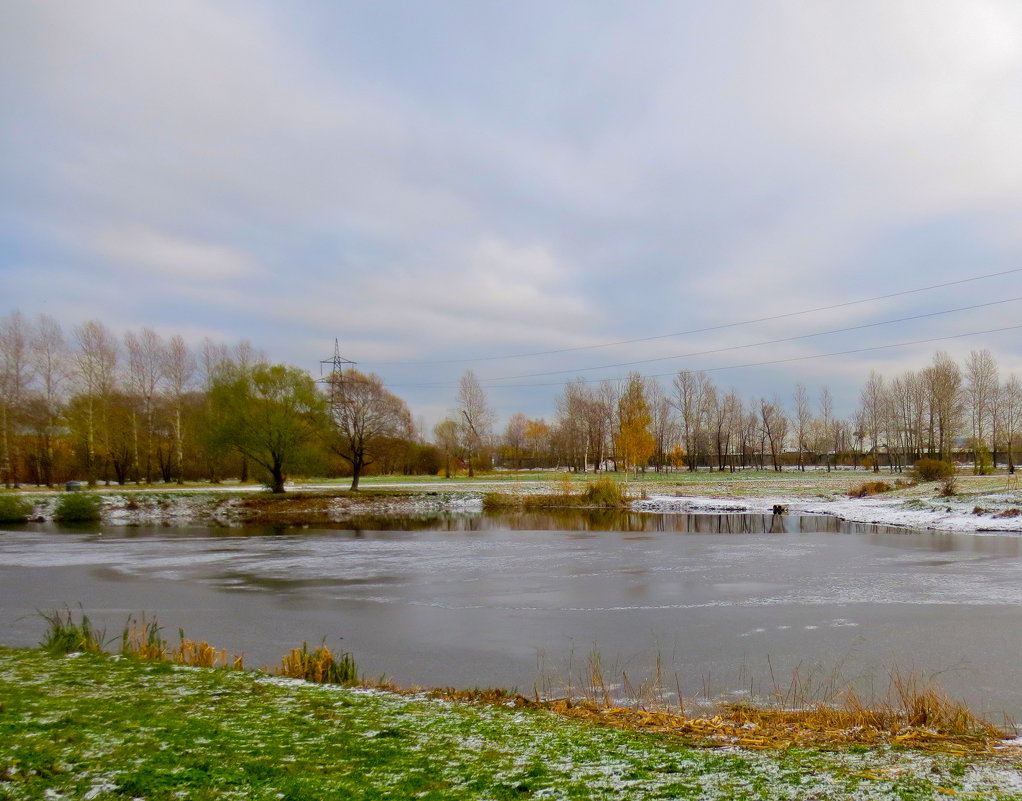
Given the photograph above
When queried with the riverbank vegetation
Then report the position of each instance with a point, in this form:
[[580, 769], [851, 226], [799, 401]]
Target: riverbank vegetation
[[99, 727]]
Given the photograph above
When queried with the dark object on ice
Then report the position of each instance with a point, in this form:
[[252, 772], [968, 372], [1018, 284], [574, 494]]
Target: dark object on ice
[[779, 509]]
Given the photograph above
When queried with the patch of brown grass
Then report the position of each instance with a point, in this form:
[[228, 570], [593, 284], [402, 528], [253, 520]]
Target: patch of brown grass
[[870, 488]]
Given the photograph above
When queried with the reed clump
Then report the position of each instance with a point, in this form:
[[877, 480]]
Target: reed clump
[[65, 635], [319, 666], [914, 713]]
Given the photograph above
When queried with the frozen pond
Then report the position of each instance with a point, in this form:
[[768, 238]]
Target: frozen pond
[[730, 602]]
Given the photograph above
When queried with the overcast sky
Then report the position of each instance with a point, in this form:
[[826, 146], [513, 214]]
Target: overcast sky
[[455, 181]]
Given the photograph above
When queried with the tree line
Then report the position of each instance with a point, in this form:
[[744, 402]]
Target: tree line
[[944, 411], [142, 408]]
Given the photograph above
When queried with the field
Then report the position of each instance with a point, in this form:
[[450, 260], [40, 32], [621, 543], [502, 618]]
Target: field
[[98, 727]]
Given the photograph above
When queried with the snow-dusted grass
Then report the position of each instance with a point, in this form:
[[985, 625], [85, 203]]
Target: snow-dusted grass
[[982, 503], [95, 727]]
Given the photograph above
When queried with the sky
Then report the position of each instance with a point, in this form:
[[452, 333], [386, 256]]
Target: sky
[[451, 186]]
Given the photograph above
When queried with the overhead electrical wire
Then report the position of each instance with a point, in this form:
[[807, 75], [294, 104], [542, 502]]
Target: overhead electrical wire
[[706, 329], [751, 364], [575, 371], [754, 344]]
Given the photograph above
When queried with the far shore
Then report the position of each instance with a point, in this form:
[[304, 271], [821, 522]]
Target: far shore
[[981, 504]]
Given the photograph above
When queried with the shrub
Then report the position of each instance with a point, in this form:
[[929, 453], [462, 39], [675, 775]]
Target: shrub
[[932, 470], [77, 507], [319, 666], [14, 509], [65, 636], [870, 488], [604, 492], [949, 486]]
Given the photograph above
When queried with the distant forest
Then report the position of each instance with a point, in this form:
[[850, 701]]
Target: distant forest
[[87, 404]]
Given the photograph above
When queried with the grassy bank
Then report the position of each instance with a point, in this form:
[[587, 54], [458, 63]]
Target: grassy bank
[[94, 727]]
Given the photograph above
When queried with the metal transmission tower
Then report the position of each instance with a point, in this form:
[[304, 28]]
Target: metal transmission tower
[[335, 377]]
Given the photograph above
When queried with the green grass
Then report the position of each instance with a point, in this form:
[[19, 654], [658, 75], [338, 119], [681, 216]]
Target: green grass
[[78, 507], [14, 509], [97, 727]]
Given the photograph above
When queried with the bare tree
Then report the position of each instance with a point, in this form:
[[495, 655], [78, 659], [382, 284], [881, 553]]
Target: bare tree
[[147, 359], [803, 419], [826, 428], [179, 371], [475, 416], [365, 416], [690, 391], [871, 414], [15, 368], [447, 436], [1011, 415], [944, 391], [514, 438], [95, 362], [663, 422], [774, 424], [981, 382], [49, 363]]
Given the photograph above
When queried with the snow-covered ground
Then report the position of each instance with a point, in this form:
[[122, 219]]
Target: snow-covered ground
[[981, 506], [993, 512]]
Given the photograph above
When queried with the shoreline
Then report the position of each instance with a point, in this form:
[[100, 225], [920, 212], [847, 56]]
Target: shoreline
[[983, 505]]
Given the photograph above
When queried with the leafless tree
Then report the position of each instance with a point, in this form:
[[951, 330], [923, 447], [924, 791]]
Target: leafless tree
[[981, 382], [514, 438], [447, 436], [147, 366], [180, 371], [1011, 416], [50, 365], [475, 415], [15, 373], [803, 419], [365, 416], [944, 392], [774, 424], [690, 399], [94, 361], [871, 415]]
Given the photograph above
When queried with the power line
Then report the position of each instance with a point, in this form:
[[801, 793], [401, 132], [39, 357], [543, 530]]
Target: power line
[[755, 344], [752, 364], [708, 328], [708, 352]]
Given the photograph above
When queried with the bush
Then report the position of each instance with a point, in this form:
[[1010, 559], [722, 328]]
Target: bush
[[932, 470], [77, 507], [870, 488], [14, 509], [605, 492], [949, 486]]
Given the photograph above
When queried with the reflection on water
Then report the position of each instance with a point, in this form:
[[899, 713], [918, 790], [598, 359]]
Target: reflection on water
[[481, 599], [574, 519]]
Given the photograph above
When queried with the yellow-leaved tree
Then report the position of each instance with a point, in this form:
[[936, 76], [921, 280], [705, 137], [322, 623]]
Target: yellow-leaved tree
[[635, 442]]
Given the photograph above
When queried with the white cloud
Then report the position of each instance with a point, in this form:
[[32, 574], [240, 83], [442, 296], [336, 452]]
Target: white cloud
[[149, 251]]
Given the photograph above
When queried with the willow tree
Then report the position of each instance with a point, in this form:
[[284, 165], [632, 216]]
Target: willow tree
[[270, 414], [364, 417]]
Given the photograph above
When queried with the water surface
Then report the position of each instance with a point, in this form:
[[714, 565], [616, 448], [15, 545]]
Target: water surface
[[730, 602]]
